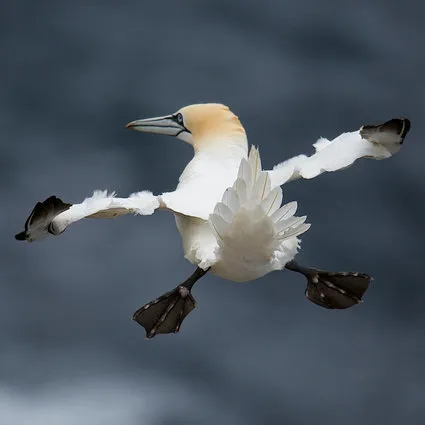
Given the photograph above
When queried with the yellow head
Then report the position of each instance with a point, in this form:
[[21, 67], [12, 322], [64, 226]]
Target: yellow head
[[203, 125]]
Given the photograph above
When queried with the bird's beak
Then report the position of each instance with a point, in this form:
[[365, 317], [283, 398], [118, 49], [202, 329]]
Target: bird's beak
[[160, 125]]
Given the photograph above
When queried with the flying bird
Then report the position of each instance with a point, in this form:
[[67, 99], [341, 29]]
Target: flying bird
[[229, 210]]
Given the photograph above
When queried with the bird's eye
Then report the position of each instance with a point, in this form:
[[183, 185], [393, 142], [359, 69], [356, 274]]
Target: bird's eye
[[179, 118]]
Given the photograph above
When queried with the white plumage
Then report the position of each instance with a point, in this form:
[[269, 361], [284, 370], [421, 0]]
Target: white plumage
[[254, 234], [333, 155], [228, 210]]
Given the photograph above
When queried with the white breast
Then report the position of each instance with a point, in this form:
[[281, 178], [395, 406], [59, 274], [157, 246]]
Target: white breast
[[204, 181]]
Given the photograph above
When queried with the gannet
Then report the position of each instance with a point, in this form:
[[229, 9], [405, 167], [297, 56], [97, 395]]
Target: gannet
[[228, 209]]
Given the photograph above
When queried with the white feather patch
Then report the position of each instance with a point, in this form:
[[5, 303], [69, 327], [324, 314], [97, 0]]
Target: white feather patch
[[296, 231], [143, 203], [230, 199], [223, 211], [321, 143], [245, 174], [273, 201], [261, 188], [288, 210], [291, 222], [240, 188], [220, 226], [254, 162]]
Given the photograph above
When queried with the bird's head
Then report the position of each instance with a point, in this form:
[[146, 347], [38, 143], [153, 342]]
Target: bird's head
[[202, 125]]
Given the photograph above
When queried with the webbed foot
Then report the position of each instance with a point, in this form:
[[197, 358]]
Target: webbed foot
[[166, 313], [333, 290]]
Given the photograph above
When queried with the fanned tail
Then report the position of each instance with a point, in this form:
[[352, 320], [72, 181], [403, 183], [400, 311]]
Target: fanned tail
[[250, 222]]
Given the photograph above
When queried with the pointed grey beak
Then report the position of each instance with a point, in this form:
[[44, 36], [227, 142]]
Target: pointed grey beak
[[168, 125]]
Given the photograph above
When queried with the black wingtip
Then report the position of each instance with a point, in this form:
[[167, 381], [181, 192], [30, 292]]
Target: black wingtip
[[406, 129], [20, 236], [38, 223], [390, 132], [400, 126]]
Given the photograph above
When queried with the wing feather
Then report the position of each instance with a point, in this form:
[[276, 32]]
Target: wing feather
[[370, 141], [53, 216]]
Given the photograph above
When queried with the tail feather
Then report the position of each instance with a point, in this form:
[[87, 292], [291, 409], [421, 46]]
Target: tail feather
[[250, 206], [245, 173], [285, 212], [291, 223], [223, 211], [242, 188], [261, 188], [296, 231], [219, 225], [254, 161], [273, 201], [231, 200]]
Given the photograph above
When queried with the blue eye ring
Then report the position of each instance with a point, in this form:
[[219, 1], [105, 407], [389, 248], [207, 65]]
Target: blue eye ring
[[179, 118]]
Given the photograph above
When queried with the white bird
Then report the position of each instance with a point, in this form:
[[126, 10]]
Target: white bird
[[228, 210]]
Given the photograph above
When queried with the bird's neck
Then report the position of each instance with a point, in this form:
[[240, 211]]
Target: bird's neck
[[231, 145]]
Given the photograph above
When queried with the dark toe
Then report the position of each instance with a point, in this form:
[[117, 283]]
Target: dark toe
[[166, 313], [337, 290]]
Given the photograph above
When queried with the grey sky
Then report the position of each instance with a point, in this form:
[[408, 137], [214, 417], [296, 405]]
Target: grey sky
[[72, 75]]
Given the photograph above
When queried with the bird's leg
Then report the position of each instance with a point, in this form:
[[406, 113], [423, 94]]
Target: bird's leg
[[166, 314], [332, 289]]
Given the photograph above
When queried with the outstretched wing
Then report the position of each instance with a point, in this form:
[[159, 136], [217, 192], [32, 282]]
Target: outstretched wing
[[53, 216], [251, 225], [370, 141]]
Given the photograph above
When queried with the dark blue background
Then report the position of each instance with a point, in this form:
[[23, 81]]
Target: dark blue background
[[72, 75]]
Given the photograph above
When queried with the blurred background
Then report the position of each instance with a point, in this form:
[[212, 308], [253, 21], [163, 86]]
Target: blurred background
[[72, 75]]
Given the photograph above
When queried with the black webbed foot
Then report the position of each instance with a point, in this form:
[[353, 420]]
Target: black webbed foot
[[333, 290], [38, 224], [337, 290], [166, 314]]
